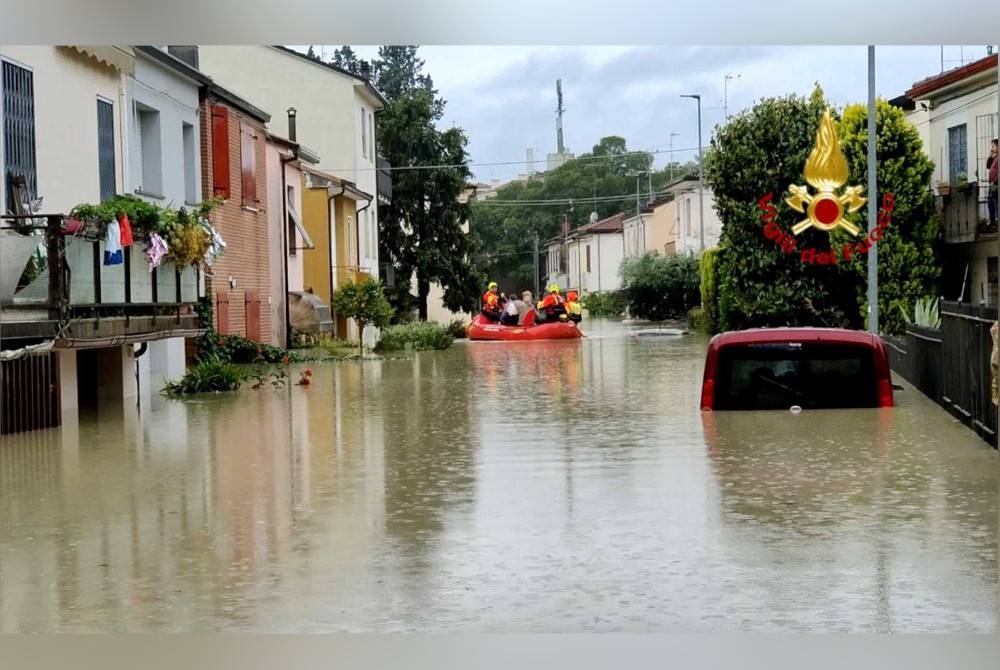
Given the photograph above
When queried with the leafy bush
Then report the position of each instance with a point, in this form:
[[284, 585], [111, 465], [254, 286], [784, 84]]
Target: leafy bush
[[763, 150], [660, 287], [365, 302], [458, 329], [709, 297], [212, 375], [237, 349], [604, 304], [338, 349], [420, 336], [698, 320]]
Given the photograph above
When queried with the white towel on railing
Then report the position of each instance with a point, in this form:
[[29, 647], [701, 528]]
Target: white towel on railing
[[113, 244]]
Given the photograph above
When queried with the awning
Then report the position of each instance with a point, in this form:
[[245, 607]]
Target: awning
[[298, 226], [122, 58]]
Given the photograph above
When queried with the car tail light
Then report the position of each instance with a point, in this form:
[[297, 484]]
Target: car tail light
[[708, 394], [885, 392]]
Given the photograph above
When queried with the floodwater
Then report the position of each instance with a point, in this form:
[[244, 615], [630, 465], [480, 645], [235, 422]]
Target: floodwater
[[528, 487]]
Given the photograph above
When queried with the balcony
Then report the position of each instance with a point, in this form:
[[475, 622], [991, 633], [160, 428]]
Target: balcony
[[72, 297], [963, 216], [383, 181]]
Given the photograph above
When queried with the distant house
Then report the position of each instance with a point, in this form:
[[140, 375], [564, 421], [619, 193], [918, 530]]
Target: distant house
[[588, 259], [956, 115]]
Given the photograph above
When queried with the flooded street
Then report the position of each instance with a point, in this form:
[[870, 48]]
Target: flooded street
[[525, 487]]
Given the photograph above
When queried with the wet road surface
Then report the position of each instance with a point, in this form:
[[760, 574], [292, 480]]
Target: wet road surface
[[518, 487]]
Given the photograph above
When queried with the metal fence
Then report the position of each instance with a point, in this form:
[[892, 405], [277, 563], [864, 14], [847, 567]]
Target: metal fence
[[952, 365]]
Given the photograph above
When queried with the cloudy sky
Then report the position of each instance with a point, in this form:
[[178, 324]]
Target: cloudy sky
[[504, 97]]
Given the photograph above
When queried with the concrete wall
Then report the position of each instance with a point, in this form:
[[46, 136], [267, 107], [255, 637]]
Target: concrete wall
[[661, 227], [277, 227], [947, 114], [175, 98], [67, 85], [606, 254], [329, 109], [689, 222]]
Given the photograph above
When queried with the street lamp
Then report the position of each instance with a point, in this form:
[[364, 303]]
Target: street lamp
[[725, 93], [701, 176]]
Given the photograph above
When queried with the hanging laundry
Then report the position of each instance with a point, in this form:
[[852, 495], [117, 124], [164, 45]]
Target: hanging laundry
[[113, 244], [126, 230], [156, 251], [217, 246]]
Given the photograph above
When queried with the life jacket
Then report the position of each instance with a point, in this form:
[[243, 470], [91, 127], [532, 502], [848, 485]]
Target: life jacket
[[491, 302]]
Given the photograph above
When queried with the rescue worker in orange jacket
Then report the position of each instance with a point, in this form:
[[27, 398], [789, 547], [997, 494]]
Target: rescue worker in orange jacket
[[573, 308], [491, 303], [553, 307]]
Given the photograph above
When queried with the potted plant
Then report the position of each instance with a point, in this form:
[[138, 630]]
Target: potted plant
[[962, 182], [944, 188]]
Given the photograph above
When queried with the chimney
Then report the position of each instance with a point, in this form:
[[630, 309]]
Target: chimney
[[187, 54], [291, 123]]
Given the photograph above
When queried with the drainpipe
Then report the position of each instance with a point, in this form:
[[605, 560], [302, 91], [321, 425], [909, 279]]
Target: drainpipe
[[284, 225], [357, 233], [331, 230]]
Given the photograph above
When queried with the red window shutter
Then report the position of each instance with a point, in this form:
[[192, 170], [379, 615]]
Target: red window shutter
[[222, 313], [248, 164], [220, 151], [252, 307]]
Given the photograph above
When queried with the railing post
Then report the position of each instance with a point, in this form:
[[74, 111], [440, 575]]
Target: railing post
[[55, 245]]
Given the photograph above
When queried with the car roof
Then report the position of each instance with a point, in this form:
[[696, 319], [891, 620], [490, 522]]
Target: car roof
[[772, 335]]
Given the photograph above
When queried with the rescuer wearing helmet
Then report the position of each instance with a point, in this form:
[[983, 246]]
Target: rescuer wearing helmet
[[491, 303], [553, 307], [573, 309]]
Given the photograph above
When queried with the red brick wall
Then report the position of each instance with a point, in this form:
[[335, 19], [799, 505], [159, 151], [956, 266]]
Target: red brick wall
[[244, 230]]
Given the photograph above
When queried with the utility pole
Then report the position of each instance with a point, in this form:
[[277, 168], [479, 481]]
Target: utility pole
[[872, 198], [559, 115], [672, 136], [536, 266], [701, 176], [725, 94]]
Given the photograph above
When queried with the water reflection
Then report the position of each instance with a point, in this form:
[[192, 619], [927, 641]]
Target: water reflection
[[546, 486]]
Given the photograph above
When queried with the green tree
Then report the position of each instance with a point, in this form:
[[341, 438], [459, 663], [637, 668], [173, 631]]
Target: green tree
[[421, 231], [764, 150], [909, 253], [761, 151], [365, 302], [347, 60], [660, 287]]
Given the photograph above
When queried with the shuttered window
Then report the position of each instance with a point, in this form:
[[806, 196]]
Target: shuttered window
[[106, 148], [958, 153], [19, 129], [220, 152], [248, 164], [588, 258]]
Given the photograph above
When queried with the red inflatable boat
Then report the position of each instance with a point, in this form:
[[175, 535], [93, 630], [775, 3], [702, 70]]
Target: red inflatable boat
[[482, 328]]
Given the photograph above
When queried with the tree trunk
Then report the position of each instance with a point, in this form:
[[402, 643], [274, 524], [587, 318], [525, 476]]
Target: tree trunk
[[423, 289], [361, 338]]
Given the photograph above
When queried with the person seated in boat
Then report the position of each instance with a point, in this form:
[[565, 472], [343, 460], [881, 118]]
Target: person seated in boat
[[553, 307], [510, 313], [525, 306], [573, 308], [491, 303]]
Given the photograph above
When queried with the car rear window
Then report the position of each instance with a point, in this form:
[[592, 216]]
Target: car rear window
[[811, 375]]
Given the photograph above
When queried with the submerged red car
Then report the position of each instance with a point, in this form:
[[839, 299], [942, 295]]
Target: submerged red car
[[811, 368]]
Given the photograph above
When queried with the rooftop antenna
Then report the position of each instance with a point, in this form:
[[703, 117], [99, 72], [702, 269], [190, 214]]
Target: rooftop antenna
[[559, 115]]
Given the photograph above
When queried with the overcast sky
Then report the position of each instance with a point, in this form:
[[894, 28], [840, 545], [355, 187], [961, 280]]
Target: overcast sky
[[505, 99]]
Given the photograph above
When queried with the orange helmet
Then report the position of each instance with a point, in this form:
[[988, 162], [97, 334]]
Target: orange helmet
[[572, 296]]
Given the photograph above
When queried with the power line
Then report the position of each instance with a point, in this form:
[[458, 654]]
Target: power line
[[397, 168]]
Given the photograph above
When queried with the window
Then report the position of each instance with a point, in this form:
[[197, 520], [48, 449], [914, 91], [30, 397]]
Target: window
[[373, 222], [350, 240], [588, 258], [958, 153], [106, 149], [248, 165], [292, 215], [220, 152], [371, 133], [687, 217], [190, 182], [777, 376], [147, 123], [18, 130], [364, 135]]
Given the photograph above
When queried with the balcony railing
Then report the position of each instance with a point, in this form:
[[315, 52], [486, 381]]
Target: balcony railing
[[963, 216], [347, 274], [383, 179], [55, 284]]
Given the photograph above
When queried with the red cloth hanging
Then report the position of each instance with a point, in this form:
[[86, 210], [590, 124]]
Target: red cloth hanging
[[126, 229]]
